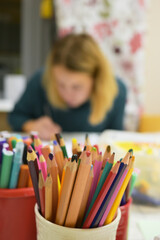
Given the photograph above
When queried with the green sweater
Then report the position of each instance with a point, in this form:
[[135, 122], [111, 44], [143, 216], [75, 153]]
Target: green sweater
[[34, 104]]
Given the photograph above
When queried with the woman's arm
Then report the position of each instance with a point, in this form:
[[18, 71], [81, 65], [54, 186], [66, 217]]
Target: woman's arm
[[28, 114]]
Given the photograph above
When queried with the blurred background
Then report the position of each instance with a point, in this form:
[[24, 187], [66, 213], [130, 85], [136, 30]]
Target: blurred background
[[126, 31]]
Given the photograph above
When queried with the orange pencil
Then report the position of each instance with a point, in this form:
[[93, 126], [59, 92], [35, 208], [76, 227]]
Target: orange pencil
[[63, 174], [78, 191], [85, 198], [46, 151], [69, 178], [52, 168], [23, 176], [29, 184], [59, 158], [41, 186], [10, 142]]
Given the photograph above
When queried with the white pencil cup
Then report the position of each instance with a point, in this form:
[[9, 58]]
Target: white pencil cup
[[50, 231]]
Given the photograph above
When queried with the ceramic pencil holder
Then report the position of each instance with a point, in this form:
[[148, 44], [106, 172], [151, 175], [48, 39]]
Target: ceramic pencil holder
[[50, 231]]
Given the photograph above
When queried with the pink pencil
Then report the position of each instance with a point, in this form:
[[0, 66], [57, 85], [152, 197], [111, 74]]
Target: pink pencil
[[113, 198], [96, 169], [43, 166]]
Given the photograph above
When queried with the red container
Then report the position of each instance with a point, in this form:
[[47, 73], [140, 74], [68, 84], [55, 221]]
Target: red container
[[122, 231], [17, 220]]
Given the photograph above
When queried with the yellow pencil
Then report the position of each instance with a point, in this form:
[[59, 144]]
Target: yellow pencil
[[74, 146]]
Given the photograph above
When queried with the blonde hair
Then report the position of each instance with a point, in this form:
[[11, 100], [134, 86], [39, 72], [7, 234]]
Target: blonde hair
[[80, 53]]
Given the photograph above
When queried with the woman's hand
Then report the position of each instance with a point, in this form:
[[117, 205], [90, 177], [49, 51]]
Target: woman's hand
[[44, 126]]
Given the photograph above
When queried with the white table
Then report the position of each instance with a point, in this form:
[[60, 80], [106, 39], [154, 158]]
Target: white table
[[140, 213]]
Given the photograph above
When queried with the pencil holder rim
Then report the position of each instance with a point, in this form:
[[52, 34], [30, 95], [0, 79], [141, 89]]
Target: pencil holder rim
[[117, 219]]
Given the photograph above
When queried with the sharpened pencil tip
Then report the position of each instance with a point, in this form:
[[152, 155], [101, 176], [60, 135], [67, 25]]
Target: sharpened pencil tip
[[55, 142], [50, 156], [108, 148]]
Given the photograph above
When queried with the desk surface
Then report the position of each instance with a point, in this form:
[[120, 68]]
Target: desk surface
[[143, 214]]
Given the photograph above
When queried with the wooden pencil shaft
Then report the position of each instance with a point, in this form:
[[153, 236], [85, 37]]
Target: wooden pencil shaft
[[34, 178]]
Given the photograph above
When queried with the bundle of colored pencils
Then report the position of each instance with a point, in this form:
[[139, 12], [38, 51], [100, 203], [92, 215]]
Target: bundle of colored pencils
[[13, 173], [82, 191]]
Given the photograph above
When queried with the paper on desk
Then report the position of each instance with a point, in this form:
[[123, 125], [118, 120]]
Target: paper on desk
[[149, 228]]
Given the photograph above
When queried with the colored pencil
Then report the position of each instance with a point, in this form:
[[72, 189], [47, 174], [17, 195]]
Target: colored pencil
[[29, 184], [32, 164], [52, 168], [37, 144], [85, 198], [94, 154], [113, 197], [78, 191], [88, 143], [41, 187], [58, 137], [133, 180], [120, 194], [79, 150], [17, 161], [106, 156], [43, 166], [23, 176], [59, 158], [74, 146], [105, 173], [48, 198], [106, 186], [32, 155], [96, 169], [7, 159], [63, 147], [46, 151], [123, 166], [67, 187]]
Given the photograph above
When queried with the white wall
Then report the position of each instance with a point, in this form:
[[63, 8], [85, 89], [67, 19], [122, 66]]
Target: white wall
[[152, 60]]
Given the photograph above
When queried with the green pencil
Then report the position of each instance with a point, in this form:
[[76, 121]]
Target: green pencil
[[63, 147], [7, 159]]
